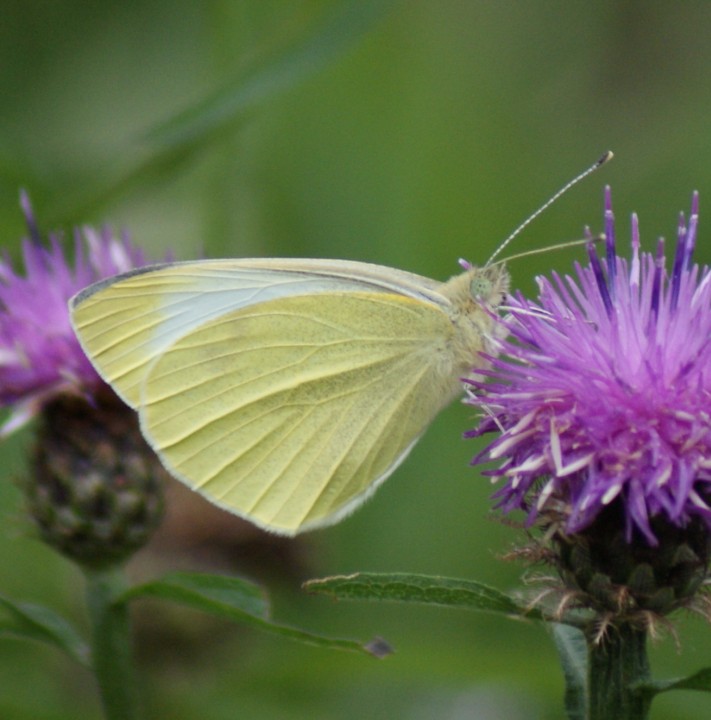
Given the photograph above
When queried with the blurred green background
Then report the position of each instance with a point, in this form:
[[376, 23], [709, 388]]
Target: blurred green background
[[402, 133]]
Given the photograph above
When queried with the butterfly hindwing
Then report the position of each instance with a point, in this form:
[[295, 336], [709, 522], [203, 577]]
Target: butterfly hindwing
[[291, 411]]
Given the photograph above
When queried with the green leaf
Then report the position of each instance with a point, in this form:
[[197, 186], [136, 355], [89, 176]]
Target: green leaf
[[34, 622], [329, 41], [700, 680], [239, 601], [573, 652], [205, 591], [425, 589]]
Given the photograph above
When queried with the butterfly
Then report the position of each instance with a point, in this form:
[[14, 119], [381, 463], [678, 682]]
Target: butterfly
[[286, 390]]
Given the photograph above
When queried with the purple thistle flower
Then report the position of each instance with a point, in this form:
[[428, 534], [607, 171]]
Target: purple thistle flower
[[40, 356], [603, 391]]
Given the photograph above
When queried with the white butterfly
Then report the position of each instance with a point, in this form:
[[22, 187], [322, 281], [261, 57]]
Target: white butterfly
[[286, 391]]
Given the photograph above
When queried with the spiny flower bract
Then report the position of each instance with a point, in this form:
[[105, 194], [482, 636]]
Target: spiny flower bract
[[603, 391]]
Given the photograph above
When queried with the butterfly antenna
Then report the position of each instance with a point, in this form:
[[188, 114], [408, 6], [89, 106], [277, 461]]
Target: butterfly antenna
[[598, 164], [550, 248]]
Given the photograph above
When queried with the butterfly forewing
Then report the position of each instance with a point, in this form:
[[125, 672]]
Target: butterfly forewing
[[125, 323], [290, 411]]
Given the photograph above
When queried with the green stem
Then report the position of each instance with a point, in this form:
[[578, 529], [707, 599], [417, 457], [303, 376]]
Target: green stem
[[614, 664], [111, 643]]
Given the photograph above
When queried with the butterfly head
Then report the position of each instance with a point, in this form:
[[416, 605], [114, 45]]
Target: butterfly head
[[489, 285]]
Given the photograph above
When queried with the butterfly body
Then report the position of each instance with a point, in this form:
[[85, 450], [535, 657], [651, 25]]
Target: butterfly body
[[287, 390]]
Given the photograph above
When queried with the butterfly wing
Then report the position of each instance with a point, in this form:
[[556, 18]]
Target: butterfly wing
[[292, 411], [124, 323]]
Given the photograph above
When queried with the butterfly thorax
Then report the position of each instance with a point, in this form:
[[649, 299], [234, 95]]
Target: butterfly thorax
[[474, 298]]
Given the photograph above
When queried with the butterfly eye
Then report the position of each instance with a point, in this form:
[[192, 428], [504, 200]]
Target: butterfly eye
[[480, 287]]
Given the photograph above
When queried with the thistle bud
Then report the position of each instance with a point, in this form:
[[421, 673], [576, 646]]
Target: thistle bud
[[95, 489]]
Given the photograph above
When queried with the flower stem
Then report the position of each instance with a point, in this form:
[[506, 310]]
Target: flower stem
[[111, 643], [614, 665]]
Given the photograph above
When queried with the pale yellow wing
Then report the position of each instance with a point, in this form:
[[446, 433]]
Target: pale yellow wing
[[124, 323], [291, 412]]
